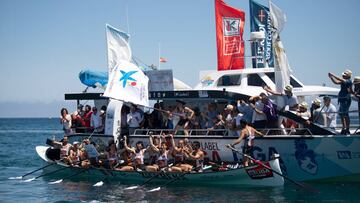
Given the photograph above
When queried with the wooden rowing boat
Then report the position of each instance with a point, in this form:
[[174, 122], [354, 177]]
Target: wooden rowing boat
[[255, 175]]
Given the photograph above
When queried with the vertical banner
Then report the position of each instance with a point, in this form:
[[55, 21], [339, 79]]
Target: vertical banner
[[260, 21], [229, 36]]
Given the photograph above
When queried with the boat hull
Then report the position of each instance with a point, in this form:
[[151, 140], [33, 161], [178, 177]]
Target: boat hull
[[303, 158], [246, 177]]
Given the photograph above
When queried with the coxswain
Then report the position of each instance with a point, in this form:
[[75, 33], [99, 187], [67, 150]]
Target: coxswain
[[248, 134]]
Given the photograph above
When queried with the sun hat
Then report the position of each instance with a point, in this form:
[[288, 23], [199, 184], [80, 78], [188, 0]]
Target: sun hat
[[347, 73], [288, 88], [229, 107], [304, 105], [76, 143], [356, 80], [316, 102]]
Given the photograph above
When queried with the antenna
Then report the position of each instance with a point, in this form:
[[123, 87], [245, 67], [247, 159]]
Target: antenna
[[127, 20]]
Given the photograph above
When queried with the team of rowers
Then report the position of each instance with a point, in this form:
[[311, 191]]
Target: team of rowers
[[161, 154]]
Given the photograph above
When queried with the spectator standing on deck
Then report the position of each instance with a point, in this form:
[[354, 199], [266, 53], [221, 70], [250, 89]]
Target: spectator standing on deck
[[344, 98], [65, 120], [134, 119], [259, 118], [288, 97], [316, 115], [87, 117], [95, 120], [330, 113], [246, 110]]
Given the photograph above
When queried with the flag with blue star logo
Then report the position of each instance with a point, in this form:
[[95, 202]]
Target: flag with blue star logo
[[127, 82]]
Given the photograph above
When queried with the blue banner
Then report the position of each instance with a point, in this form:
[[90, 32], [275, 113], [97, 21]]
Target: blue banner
[[260, 21]]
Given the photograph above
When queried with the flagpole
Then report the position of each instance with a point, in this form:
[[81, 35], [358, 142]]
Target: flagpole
[[159, 56]]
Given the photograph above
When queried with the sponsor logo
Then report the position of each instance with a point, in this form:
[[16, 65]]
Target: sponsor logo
[[231, 26], [259, 171], [305, 157], [207, 81]]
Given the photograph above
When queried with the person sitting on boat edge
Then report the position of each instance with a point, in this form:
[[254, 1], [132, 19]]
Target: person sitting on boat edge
[[163, 154], [248, 134], [197, 155], [179, 155], [344, 97]]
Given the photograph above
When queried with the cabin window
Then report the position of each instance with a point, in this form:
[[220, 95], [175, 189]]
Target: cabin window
[[293, 82], [229, 80], [255, 80]]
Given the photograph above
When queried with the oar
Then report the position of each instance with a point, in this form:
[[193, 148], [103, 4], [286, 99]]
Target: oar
[[45, 174], [70, 176], [169, 182], [21, 177], [148, 180], [302, 185]]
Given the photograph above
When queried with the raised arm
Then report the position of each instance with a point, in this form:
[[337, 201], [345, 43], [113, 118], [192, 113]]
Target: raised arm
[[191, 112], [273, 92], [127, 147], [335, 79], [152, 144]]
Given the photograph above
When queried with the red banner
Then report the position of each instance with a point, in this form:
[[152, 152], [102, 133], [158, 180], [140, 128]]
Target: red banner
[[229, 36]]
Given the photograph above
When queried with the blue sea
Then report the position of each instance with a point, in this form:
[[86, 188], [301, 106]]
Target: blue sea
[[18, 138]]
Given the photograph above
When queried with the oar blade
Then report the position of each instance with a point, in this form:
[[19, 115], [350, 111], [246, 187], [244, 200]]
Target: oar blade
[[155, 189], [29, 180], [15, 178], [98, 184], [56, 182], [131, 187]]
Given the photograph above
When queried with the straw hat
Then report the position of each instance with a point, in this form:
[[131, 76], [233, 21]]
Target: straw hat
[[317, 102], [229, 107], [356, 80], [288, 88], [347, 73], [304, 105]]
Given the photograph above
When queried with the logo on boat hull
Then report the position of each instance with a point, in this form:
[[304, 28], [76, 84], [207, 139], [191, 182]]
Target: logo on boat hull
[[259, 171], [305, 157]]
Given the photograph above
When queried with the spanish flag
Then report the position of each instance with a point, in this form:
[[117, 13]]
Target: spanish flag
[[163, 60]]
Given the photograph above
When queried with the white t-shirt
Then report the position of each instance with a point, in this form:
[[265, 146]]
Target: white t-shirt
[[330, 115], [67, 122], [95, 120], [134, 119], [289, 101]]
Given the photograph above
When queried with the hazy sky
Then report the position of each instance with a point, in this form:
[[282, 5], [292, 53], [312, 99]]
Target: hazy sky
[[44, 44]]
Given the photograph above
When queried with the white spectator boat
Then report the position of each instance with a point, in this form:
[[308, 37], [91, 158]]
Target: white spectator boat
[[255, 175], [320, 155]]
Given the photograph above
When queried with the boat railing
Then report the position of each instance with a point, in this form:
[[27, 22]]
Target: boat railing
[[224, 132]]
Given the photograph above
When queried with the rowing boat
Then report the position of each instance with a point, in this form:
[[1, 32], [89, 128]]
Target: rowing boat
[[254, 175]]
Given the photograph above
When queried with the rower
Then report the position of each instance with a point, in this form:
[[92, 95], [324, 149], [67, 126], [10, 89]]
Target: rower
[[179, 155], [248, 134], [162, 160], [197, 155], [138, 156]]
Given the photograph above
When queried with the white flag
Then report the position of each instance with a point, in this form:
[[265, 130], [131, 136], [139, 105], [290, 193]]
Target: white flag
[[118, 47], [127, 82], [282, 67], [278, 18]]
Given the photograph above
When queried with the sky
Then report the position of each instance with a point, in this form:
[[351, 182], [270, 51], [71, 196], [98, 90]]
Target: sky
[[44, 44]]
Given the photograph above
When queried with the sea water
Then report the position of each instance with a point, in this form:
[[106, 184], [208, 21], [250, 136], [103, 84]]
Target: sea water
[[19, 137]]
